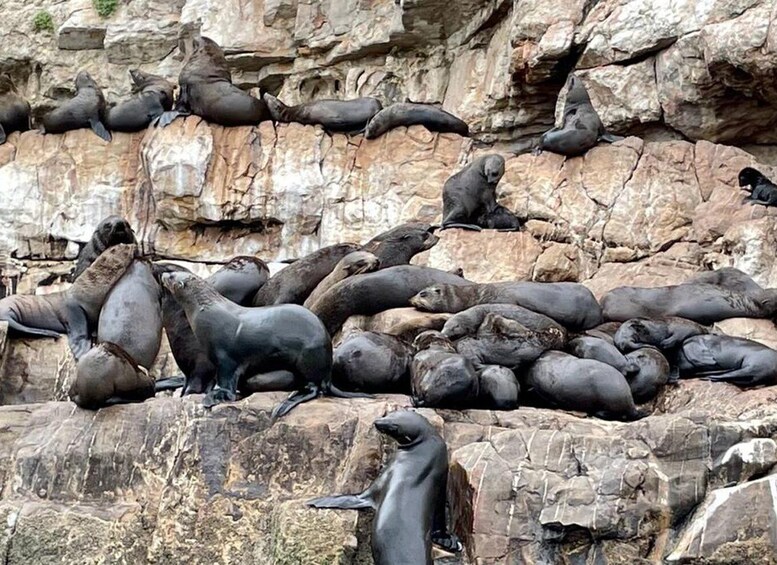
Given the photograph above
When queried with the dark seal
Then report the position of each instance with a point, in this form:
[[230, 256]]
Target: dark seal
[[152, 96], [439, 376], [499, 389], [240, 279], [372, 362], [736, 360], [761, 190], [334, 115], [14, 110], [727, 277], [469, 321], [662, 333], [588, 347], [399, 245], [113, 230], [409, 495], [356, 263], [85, 110], [407, 114], [653, 373]]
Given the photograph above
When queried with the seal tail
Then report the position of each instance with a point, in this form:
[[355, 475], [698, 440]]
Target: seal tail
[[170, 383], [332, 390]]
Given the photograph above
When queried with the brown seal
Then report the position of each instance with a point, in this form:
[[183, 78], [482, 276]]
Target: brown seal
[[408, 114], [14, 110], [113, 230], [85, 110], [399, 245], [355, 263], [333, 115], [152, 96]]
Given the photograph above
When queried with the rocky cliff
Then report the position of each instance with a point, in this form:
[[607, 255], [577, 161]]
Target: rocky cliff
[[689, 84]]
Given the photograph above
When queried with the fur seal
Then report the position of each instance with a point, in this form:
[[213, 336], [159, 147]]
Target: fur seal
[[581, 127], [469, 321], [14, 110], [85, 110], [653, 373], [293, 284], [244, 341], [131, 316], [736, 360], [702, 303], [587, 347], [399, 245], [586, 385], [375, 292], [761, 189], [499, 389], [113, 230], [372, 362], [107, 375], [662, 333], [240, 279], [469, 197], [206, 89], [605, 331], [727, 277], [74, 311], [570, 304], [355, 263], [409, 495], [152, 96], [407, 114], [334, 115], [439, 376]]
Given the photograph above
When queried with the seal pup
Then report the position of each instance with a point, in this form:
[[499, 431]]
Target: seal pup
[[654, 371], [399, 245], [75, 311], [206, 89], [469, 321], [736, 360], [409, 495], [761, 190], [583, 385], [14, 110], [85, 110], [355, 263], [152, 96], [581, 128], [701, 303], [372, 362], [111, 231], [131, 316], [107, 375], [498, 388], [469, 196], [244, 341], [662, 333], [240, 279], [334, 115], [439, 376], [408, 114], [570, 304], [727, 277], [588, 347]]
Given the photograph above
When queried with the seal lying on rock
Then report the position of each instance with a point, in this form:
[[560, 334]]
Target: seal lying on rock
[[498, 388], [439, 376], [662, 333], [334, 115], [727, 277], [85, 110], [113, 230], [74, 311], [240, 279], [736, 360], [407, 114], [400, 244], [14, 110], [409, 495], [153, 95], [762, 190], [469, 321], [372, 362], [356, 263], [653, 373], [587, 347]]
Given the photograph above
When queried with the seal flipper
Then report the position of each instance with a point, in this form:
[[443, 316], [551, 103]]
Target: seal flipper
[[98, 128], [471, 227], [2, 135], [21, 328], [332, 390], [78, 335], [170, 383], [610, 138], [342, 501], [294, 399]]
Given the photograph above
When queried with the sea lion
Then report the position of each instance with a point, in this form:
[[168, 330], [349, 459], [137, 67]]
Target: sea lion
[[761, 189], [439, 376], [662, 333], [581, 127], [375, 292], [399, 245], [355, 263], [469, 321], [107, 375], [727, 277], [653, 373], [85, 110], [206, 89], [113, 230], [131, 316], [152, 96], [409, 495], [240, 279], [294, 284], [469, 196], [407, 114], [14, 110], [570, 304], [74, 311], [587, 347], [736, 360], [372, 362], [585, 385], [505, 342], [702, 303], [334, 115], [498, 388], [244, 341]]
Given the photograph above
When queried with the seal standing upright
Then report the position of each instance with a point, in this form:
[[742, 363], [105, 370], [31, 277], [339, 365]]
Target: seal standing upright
[[153, 95], [334, 115], [14, 110], [399, 245], [85, 110], [113, 230], [407, 114], [409, 495]]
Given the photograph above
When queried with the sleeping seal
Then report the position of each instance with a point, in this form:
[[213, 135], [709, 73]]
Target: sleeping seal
[[372, 362], [85, 110], [439, 376], [407, 114], [731, 359], [152, 96], [334, 115]]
